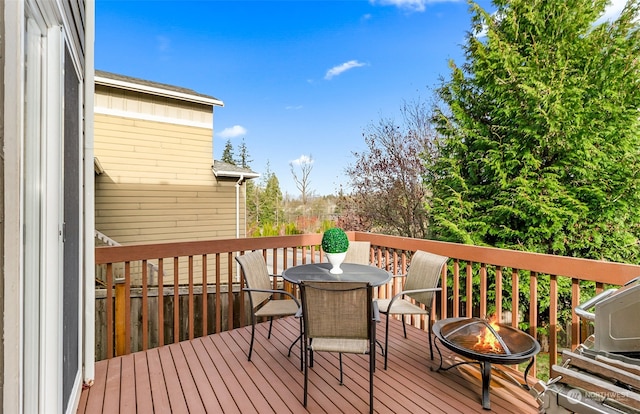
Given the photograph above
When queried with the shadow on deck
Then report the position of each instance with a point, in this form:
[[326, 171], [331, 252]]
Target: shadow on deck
[[212, 375]]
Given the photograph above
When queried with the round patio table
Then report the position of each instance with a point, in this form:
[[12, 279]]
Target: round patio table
[[351, 272]]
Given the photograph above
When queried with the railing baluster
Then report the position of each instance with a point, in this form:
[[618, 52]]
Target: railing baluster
[[190, 297], [110, 310], [443, 294], [176, 300], [483, 290], [160, 302], [533, 310], [469, 290], [456, 288], [230, 261], [575, 321], [533, 303], [553, 320], [205, 295], [515, 298], [145, 307], [121, 318], [498, 292], [127, 307], [218, 296]]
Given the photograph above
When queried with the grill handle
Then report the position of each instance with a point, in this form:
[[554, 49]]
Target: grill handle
[[582, 310]]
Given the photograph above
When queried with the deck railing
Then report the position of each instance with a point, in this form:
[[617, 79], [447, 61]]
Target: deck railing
[[176, 306]]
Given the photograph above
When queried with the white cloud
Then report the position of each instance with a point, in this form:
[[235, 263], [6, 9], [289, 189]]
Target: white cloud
[[293, 107], [337, 70], [303, 159], [234, 131], [412, 5], [164, 43]]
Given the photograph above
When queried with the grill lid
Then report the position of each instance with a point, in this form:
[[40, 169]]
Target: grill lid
[[615, 326]]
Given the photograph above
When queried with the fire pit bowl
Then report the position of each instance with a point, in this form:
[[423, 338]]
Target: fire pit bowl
[[485, 343]]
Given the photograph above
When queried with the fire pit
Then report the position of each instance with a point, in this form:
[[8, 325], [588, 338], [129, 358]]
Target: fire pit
[[485, 343]]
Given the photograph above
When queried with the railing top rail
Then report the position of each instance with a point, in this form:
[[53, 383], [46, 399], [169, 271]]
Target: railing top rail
[[132, 252], [584, 269]]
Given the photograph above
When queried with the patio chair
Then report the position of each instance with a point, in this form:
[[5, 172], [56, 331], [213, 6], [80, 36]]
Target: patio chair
[[261, 292], [338, 317], [420, 285], [358, 252]]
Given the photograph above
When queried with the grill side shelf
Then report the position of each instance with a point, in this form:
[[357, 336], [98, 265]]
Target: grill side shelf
[[599, 380]]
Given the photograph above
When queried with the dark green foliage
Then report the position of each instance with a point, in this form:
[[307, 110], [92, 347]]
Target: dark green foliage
[[540, 133], [334, 240], [540, 140], [244, 160], [227, 153], [272, 211]]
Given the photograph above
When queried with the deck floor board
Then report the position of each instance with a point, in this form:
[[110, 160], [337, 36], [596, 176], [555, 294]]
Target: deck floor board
[[212, 375]]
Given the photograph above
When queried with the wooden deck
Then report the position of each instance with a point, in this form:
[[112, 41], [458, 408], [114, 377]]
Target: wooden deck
[[212, 375]]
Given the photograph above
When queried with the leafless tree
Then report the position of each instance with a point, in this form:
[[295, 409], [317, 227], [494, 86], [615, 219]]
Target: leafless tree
[[387, 191], [302, 180]]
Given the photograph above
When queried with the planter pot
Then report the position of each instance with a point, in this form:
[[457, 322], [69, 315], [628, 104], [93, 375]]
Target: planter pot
[[336, 260]]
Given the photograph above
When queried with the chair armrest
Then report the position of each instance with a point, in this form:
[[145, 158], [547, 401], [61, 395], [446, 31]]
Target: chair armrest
[[272, 291], [404, 292]]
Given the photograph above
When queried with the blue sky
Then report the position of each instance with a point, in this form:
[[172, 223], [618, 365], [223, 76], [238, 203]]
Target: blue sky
[[299, 79]]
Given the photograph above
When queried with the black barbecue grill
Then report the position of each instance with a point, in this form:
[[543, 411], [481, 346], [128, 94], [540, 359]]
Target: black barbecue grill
[[603, 374]]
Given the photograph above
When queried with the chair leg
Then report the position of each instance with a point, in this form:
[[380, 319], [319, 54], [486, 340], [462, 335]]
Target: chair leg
[[340, 358], [253, 331], [271, 324], [430, 340], [372, 368], [386, 341], [303, 345], [404, 327], [301, 351]]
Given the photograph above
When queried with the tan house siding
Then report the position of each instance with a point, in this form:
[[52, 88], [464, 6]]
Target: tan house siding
[[158, 185]]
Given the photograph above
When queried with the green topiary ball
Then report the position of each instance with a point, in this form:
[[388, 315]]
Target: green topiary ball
[[335, 240]]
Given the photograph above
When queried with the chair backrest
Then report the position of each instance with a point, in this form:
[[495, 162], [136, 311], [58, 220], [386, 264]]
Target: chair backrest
[[424, 273], [358, 252], [256, 276], [337, 309]]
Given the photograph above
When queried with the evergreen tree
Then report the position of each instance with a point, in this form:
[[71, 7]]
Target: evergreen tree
[[244, 160], [540, 129], [227, 153], [254, 194], [272, 211]]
